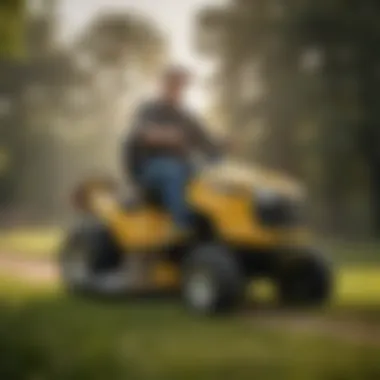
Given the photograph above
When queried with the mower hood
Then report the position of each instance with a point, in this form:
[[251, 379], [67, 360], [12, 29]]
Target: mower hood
[[245, 176]]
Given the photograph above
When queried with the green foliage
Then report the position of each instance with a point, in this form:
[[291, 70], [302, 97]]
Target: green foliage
[[318, 63], [12, 32], [57, 120], [124, 40]]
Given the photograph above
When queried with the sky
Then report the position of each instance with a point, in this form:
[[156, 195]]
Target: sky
[[174, 18]]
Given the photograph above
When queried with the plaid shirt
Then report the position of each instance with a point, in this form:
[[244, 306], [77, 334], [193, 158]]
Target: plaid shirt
[[135, 152]]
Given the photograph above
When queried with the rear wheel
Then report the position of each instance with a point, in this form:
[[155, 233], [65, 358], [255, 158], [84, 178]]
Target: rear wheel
[[305, 281], [212, 281]]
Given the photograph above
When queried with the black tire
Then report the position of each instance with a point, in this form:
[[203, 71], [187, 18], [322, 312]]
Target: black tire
[[223, 281], [306, 280], [88, 252], [74, 279]]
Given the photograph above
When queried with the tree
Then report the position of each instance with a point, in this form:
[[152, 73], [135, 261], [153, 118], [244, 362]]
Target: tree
[[12, 47], [67, 105], [315, 65], [121, 52], [259, 67], [12, 36], [78, 98], [347, 34]]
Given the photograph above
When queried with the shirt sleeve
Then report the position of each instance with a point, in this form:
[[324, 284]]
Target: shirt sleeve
[[140, 118], [131, 149], [202, 138]]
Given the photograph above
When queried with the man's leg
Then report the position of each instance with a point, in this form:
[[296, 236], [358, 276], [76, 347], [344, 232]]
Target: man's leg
[[169, 176], [173, 190]]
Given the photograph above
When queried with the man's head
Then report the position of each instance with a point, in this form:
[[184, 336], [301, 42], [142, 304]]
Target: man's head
[[174, 83]]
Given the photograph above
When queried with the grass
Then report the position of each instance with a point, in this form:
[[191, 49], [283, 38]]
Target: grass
[[47, 335], [31, 242], [359, 285]]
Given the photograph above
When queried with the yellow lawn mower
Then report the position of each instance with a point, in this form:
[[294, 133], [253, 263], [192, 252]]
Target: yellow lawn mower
[[248, 223]]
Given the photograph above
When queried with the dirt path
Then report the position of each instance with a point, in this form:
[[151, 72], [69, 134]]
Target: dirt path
[[34, 270], [344, 327]]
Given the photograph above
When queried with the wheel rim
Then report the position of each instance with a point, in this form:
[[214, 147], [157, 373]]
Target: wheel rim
[[200, 290]]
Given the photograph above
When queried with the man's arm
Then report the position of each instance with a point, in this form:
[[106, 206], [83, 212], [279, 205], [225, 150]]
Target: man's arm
[[144, 133], [149, 133], [140, 120], [203, 139], [131, 146]]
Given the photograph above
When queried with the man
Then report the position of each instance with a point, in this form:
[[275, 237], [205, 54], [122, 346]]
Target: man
[[162, 139]]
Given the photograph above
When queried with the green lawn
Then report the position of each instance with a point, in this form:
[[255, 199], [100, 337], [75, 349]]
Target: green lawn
[[31, 242], [45, 334]]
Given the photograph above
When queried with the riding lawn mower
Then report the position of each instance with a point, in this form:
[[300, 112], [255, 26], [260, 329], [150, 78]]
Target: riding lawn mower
[[248, 224]]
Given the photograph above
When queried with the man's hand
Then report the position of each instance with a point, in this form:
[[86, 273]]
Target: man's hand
[[151, 134], [157, 135], [174, 136]]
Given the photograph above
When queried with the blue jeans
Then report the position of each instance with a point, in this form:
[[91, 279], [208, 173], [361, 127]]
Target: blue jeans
[[169, 176]]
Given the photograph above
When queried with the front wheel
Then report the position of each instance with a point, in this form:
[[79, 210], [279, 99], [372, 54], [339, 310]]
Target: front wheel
[[90, 261], [305, 281], [212, 281]]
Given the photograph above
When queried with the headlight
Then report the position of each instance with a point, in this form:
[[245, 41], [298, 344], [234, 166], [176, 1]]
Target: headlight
[[274, 209]]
